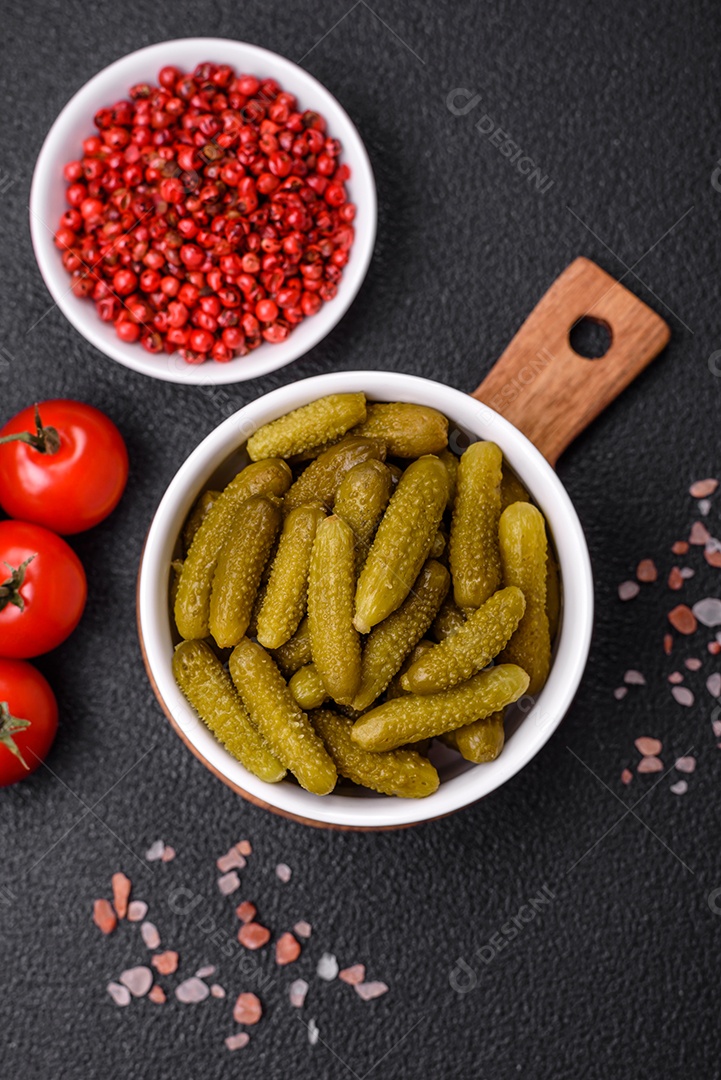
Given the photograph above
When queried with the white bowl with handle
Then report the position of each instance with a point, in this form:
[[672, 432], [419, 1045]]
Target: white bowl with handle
[[529, 724], [64, 143]]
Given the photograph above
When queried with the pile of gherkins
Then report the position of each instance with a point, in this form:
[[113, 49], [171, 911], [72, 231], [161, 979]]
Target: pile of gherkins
[[353, 534]]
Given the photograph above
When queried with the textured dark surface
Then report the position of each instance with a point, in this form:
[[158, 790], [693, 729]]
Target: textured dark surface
[[617, 975]]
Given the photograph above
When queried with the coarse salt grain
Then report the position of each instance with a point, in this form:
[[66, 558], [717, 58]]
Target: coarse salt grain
[[713, 684], [217, 991], [675, 677], [228, 883], [192, 991], [303, 929], [283, 872], [287, 949], [634, 678], [628, 589], [119, 994], [168, 853], [237, 1041], [165, 963], [253, 936], [675, 579], [700, 489], [714, 647], [232, 860], [683, 619], [157, 994], [667, 643], [368, 991], [704, 507], [121, 893], [646, 570], [686, 764], [327, 967], [693, 663], [626, 776], [708, 611], [244, 847], [683, 695], [680, 547], [138, 980], [699, 534], [155, 851], [246, 911], [712, 557], [297, 993], [137, 910], [647, 746], [680, 787], [649, 765], [150, 935], [716, 728], [205, 972], [104, 916], [313, 1032], [353, 975], [247, 1009], [686, 573], [620, 692]]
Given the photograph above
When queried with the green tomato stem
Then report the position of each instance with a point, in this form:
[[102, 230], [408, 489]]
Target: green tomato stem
[[45, 440], [9, 726], [10, 588]]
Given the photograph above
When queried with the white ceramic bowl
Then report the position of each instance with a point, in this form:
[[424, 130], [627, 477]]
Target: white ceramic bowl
[[218, 458], [63, 144]]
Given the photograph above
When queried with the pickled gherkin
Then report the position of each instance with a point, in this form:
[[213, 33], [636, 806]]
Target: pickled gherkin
[[390, 642], [394, 688], [438, 546], [402, 542], [320, 481], [192, 602], [207, 686], [450, 461], [522, 537], [408, 719], [409, 431], [449, 619], [553, 594], [280, 720], [334, 641], [474, 555], [487, 630], [308, 688], [240, 566], [197, 516], [295, 653], [311, 425], [362, 497], [512, 490], [480, 741], [404, 773], [287, 591]]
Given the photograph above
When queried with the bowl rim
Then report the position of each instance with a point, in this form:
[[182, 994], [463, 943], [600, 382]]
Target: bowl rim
[[170, 367], [572, 645]]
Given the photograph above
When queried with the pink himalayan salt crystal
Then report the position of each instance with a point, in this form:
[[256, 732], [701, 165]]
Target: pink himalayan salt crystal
[[104, 917], [634, 678], [626, 776], [675, 579], [313, 1032], [155, 851], [297, 993], [699, 534], [712, 555], [327, 967], [628, 589], [287, 949], [693, 663], [121, 893], [283, 872], [700, 489], [667, 643], [150, 935], [704, 507], [303, 929], [233, 860], [648, 746], [680, 787], [237, 1041], [683, 619], [119, 994], [649, 765], [353, 975], [686, 764], [680, 547], [620, 692], [192, 991], [713, 684], [168, 853], [244, 847], [716, 727], [205, 972], [138, 980], [714, 647], [217, 991], [368, 991], [246, 911], [683, 695], [157, 994], [228, 883], [165, 963], [708, 611], [247, 1009], [675, 678], [253, 936], [686, 573], [646, 570], [137, 910]]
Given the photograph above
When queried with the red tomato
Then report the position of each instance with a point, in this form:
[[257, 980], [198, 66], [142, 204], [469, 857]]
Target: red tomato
[[70, 471], [44, 594], [28, 720]]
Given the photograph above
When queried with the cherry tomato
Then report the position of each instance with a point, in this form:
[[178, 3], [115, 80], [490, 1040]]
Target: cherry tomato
[[28, 720], [67, 470], [43, 595]]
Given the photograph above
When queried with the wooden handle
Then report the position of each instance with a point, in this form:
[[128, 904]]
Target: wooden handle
[[545, 388]]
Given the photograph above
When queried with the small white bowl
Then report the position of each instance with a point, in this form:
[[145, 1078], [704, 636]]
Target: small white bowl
[[75, 123], [218, 458]]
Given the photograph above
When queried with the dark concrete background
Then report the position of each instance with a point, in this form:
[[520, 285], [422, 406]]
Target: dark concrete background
[[617, 976]]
